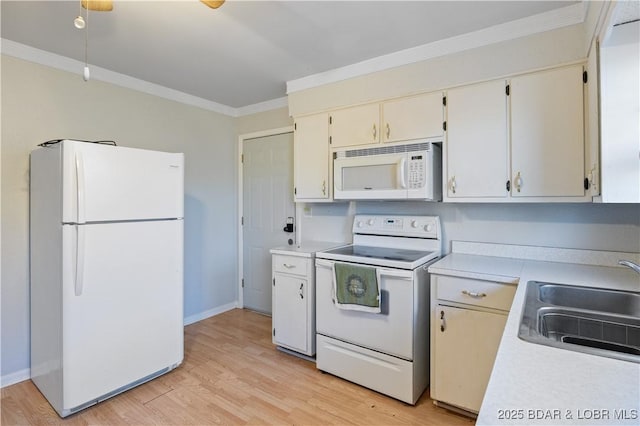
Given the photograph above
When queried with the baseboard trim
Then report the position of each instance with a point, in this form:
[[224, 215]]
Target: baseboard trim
[[16, 377], [210, 313]]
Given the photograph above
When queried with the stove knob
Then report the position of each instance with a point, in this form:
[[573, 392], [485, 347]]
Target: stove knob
[[428, 227], [370, 222], [359, 224], [414, 223]]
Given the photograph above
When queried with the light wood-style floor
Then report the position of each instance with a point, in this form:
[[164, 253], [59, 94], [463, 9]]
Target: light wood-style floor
[[232, 374]]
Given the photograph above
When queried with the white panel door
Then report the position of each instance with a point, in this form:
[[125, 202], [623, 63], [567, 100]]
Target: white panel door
[[477, 156], [107, 183], [122, 305], [464, 354], [290, 311], [267, 203], [547, 134]]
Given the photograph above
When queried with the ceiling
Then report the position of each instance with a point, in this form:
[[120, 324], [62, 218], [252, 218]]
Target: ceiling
[[244, 52]]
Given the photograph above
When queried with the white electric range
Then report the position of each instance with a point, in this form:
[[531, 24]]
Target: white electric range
[[386, 351]]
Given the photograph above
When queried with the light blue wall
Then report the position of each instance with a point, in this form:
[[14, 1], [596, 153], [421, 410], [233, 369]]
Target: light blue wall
[[40, 103]]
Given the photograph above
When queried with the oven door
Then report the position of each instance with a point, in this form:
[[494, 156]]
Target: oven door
[[390, 331]]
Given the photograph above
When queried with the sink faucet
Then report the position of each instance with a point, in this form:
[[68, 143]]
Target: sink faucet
[[630, 264]]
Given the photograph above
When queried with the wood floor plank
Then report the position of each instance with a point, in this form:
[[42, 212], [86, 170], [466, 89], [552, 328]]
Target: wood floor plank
[[233, 375]]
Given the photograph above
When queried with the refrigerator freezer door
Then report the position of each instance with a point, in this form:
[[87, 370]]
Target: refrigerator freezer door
[[126, 322], [103, 183]]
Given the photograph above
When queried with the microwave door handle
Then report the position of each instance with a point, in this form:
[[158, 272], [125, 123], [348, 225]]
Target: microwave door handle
[[401, 172]]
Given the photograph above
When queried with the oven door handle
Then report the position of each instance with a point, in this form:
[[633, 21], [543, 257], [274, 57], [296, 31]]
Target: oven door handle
[[395, 273], [325, 263]]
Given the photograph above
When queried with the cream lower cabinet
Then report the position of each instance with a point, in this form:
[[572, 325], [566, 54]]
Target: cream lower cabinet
[[467, 322], [293, 308]]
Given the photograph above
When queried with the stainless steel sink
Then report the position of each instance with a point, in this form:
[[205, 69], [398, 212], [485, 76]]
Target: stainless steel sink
[[584, 319], [593, 299]]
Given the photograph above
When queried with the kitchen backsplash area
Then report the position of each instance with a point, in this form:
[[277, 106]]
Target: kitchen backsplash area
[[608, 227]]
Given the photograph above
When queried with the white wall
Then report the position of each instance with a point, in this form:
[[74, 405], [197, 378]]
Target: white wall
[[609, 227], [41, 103]]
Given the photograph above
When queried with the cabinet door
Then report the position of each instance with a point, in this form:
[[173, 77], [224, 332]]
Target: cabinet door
[[417, 117], [311, 158], [290, 312], [547, 134], [464, 354], [355, 126], [477, 144]]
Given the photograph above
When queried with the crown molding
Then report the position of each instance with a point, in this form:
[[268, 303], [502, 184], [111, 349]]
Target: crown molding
[[42, 57], [551, 20], [263, 106]]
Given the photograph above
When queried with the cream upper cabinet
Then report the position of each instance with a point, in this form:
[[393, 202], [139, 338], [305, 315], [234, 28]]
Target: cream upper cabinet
[[358, 125], [311, 165], [415, 117], [547, 133], [476, 144]]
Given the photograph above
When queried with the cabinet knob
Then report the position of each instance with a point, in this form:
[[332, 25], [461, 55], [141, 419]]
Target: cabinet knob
[[324, 187], [453, 184], [442, 324], [388, 131], [375, 132]]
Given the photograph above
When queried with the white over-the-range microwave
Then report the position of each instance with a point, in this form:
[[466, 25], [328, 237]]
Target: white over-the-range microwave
[[400, 171]]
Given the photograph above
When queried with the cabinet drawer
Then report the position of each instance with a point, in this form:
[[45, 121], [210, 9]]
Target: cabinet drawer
[[475, 292], [290, 264]]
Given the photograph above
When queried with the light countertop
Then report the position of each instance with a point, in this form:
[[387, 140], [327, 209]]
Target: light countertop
[[536, 384], [306, 249]]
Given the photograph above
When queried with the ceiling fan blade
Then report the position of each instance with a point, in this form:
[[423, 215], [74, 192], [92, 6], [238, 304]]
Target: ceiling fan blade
[[98, 5], [213, 4]]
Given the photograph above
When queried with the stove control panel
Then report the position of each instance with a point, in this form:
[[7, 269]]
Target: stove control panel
[[405, 226]]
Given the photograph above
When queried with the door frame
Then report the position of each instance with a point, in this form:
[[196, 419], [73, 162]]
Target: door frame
[[240, 194]]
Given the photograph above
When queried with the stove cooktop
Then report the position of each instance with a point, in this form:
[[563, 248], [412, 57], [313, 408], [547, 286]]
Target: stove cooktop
[[385, 256]]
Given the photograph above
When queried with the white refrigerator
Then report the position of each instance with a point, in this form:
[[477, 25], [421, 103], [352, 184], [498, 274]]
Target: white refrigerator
[[106, 242]]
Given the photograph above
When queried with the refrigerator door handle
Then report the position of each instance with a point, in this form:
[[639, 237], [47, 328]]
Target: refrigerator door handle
[[79, 260], [80, 183]]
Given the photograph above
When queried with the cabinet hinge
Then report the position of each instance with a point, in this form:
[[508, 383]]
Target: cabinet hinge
[[585, 76], [444, 101], [242, 282], [507, 89], [330, 141], [586, 184], [274, 282], [295, 190], [295, 126], [335, 155], [444, 126], [274, 332], [242, 158], [330, 120], [241, 220], [508, 186]]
